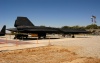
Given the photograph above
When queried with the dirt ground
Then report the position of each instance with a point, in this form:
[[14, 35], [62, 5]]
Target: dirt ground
[[47, 54]]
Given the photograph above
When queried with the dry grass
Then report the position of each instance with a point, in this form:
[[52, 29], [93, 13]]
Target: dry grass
[[49, 54]]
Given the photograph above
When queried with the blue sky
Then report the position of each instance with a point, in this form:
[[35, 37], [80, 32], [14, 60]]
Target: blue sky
[[54, 13]]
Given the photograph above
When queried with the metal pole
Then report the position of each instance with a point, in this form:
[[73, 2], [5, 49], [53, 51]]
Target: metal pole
[[37, 41], [49, 41], [16, 42], [6, 40]]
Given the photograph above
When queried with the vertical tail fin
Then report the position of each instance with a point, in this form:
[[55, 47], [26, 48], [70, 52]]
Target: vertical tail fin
[[3, 30], [23, 21]]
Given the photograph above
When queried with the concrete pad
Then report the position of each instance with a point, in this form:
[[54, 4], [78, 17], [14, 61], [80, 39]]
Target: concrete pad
[[88, 46]]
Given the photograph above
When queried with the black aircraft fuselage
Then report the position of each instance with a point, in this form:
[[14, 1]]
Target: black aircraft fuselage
[[74, 31], [24, 25]]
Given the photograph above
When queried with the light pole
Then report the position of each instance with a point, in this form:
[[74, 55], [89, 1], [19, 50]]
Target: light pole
[[93, 19]]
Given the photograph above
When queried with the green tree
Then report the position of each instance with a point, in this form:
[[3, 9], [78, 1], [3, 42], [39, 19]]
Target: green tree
[[74, 27], [78, 27], [98, 27], [65, 27], [92, 26], [42, 26]]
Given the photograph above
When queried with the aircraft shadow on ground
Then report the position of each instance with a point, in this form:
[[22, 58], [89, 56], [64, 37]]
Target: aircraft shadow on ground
[[37, 38], [82, 37]]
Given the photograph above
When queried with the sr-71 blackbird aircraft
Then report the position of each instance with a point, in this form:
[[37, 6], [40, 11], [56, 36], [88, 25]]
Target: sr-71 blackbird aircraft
[[24, 25], [3, 31]]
